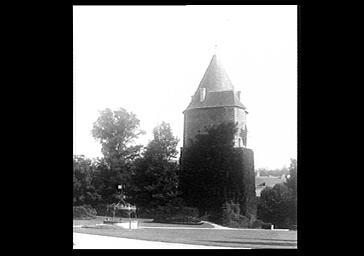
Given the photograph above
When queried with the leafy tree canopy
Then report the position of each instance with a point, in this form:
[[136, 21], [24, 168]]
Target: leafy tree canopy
[[163, 146], [278, 205], [116, 131], [275, 172], [292, 180], [84, 191], [155, 180]]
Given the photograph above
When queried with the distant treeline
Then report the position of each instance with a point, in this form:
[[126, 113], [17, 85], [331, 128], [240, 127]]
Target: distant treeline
[[274, 172]]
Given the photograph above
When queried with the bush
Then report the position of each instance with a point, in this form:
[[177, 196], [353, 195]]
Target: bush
[[232, 218], [101, 210], [91, 210], [175, 215], [144, 213], [277, 205], [257, 224], [266, 225], [189, 211], [293, 227], [83, 212], [205, 217], [242, 222], [261, 224], [180, 219]]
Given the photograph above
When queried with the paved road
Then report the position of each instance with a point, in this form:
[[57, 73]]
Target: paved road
[[86, 241]]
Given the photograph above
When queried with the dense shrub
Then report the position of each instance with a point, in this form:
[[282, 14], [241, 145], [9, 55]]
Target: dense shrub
[[83, 212], [261, 224], [257, 224], [122, 214], [178, 215], [179, 219], [293, 227], [91, 211], [205, 217], [266, 225], [231, 216], [189, 211], [101, 210], [79, 212], [278, 205], [84, 190]]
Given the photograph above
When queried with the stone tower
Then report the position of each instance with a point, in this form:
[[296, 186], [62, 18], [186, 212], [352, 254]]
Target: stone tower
[[214, 102]]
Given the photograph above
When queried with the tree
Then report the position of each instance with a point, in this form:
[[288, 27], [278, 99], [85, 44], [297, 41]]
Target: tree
[[163, 145], [291, 181], [274, 205], [84, 192], [116, 131], [155, 180], [275, 172], [278, 205], [106, 181]]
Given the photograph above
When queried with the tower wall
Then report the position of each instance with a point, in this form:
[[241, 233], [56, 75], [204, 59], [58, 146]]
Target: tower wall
[[248, 203], [197, 120], [240, 118]]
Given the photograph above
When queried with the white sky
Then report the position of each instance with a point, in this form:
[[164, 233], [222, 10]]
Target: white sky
[[150, 60]]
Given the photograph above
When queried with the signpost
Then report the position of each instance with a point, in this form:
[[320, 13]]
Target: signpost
[[126, 206], [129, 217]]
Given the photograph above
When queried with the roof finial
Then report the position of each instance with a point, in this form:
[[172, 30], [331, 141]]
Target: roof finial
[[215, 49]]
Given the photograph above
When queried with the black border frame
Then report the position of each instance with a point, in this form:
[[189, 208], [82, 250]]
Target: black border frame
[[302, 220]]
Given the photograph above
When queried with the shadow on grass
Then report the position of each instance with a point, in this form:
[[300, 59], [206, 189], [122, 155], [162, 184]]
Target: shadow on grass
[[273, 240], [179, 223], [245, 243], [101, 227]]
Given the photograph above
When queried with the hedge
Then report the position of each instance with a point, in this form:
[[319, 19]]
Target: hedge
[[84, 212]]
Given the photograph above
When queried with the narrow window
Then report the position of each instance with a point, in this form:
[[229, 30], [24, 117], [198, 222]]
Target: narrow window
[[202, 94]]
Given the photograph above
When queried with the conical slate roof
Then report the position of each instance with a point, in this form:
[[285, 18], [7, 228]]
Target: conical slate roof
[[215, 77], [218, 88]]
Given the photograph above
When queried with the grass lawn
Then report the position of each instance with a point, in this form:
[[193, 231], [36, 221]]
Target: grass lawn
[[254, 238]]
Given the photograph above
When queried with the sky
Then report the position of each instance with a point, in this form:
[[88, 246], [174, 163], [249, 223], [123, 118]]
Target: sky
[[151, 59]]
